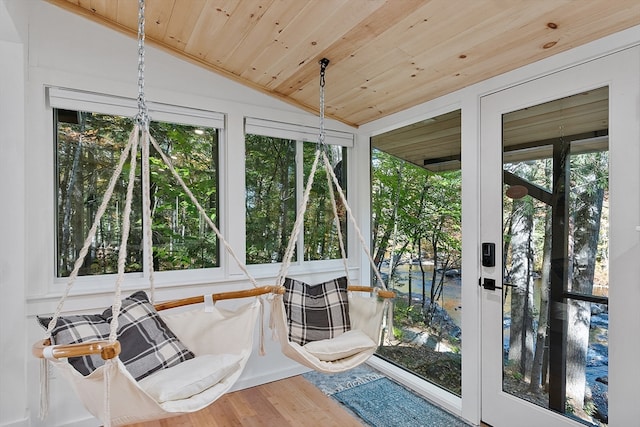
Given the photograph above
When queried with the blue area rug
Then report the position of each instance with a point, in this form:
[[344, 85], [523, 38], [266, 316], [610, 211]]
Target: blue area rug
[[384, 403], [330, 384], [381, 402]]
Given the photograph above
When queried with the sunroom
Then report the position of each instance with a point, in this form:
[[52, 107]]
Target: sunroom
[[489, 153]]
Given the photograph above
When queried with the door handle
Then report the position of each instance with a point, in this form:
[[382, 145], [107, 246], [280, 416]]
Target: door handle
[[490, 284]]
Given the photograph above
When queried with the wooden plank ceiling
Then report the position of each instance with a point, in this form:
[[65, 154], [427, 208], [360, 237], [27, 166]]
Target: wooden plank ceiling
[[385, 56]]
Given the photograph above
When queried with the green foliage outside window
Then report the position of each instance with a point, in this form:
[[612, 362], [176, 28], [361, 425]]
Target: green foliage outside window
[[271, 200], [320, 232], [88, 148], [270, 197]]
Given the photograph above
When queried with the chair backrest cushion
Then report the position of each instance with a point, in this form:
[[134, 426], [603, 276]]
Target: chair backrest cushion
[[147, 343], [316, 312]]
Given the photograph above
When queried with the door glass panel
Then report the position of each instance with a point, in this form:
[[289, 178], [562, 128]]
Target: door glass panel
[[416, 208], [555, 248]]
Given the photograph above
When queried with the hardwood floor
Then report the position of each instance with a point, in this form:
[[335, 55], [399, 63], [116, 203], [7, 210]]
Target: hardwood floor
[[289, 402]]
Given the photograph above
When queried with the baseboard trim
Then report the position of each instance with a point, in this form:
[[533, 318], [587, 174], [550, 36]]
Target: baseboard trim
[[268, 377], [19, 423]]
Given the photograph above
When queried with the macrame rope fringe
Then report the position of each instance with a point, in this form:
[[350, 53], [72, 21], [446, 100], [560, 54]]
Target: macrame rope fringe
[[389, 309], [262, 350], [109, 365], [44, 388]]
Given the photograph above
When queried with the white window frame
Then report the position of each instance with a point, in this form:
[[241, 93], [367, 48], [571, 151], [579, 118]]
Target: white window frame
[[296, 132], [76, 100], [305, 134]]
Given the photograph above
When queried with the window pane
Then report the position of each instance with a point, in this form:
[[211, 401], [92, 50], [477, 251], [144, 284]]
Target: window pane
[[320, 232], [556, 246], [416, 211], [271, 189], [88, 149], [417, 219], [181, 237], [270, 197]]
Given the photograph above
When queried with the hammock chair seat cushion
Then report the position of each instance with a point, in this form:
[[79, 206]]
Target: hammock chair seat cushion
[[346, 345], [190, 377], [148, 345], [316, 312], [366, 314]]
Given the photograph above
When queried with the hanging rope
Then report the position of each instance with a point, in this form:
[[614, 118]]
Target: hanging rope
[[140, 135], [353, 221], [208, 220], [92, 232], [142, 118], [122, 252], [321, 155], [324, 62], [278, 322], [297, 226]]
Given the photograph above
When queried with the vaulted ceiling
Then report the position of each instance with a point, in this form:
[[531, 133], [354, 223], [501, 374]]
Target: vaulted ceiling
[[385, 56]]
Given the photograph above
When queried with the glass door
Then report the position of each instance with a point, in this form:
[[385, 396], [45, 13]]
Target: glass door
[[546, 232], [555, 252]]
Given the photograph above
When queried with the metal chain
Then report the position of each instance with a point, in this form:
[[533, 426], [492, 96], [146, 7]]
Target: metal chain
[[143, 115], [323, 66]]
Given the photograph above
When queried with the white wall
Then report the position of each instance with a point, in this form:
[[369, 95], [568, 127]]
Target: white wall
[[12, 266]]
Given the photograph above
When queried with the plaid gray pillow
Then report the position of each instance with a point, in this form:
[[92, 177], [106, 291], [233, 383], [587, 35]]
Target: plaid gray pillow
[[148, 345], [316, 312]]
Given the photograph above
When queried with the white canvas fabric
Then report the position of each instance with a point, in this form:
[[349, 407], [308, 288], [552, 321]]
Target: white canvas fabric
[[190, 377], [345, 345], [216, 332], [366, 315]]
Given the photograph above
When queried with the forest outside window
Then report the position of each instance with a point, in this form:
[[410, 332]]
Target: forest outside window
[[277, 170], [88, 147]]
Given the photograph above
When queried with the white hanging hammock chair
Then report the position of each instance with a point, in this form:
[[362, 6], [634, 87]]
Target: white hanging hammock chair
[[333, 326], [221, 341], [217, 342]]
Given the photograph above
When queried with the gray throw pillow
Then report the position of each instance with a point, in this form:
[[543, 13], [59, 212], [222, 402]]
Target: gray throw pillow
[[316, 312], [147, 343]]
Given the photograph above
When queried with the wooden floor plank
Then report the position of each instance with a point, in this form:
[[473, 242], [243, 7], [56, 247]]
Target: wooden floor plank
[[291, 402]]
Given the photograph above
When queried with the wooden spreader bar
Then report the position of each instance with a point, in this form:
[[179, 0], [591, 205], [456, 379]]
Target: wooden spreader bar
[[107, 350], [353, 288], [381, 292], [216, 297]]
